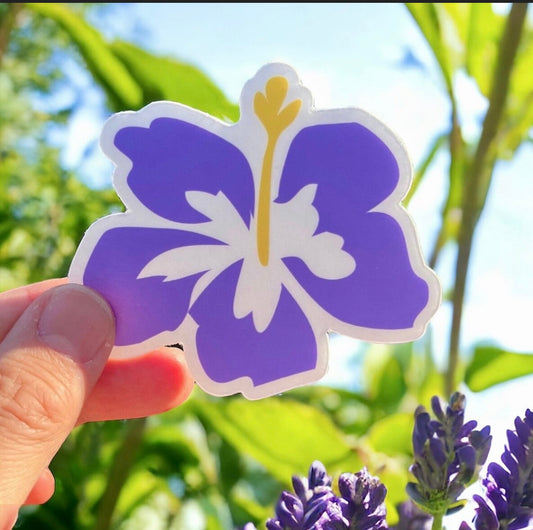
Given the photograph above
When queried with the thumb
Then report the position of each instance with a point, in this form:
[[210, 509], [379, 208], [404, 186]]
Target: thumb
[[49, 362]]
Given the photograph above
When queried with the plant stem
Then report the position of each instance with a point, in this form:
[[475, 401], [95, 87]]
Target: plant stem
[[119, 472], [7, 23], [478, 177], [437, 522]]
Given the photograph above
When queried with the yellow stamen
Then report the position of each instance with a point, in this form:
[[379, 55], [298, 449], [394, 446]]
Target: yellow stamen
[[275, 120]]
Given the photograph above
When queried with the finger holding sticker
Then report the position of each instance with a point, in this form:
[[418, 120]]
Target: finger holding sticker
[[250, 242], [55, 340]]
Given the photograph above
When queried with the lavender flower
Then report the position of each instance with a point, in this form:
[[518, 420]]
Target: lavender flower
[[509, 488], [447, 454], [314, 505], [411, 517], [362, 500]]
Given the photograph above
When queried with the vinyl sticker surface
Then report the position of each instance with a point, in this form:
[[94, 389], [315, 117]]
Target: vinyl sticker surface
[[249, 242]]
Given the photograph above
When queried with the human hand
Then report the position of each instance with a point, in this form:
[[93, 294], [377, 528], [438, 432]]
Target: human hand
[[55, 340]]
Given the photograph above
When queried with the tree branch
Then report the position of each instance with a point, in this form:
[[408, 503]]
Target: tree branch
[[119, 473], [7, 23], [478, 177]]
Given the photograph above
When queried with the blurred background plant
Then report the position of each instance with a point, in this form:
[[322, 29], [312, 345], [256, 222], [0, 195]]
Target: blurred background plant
[[218, 463]]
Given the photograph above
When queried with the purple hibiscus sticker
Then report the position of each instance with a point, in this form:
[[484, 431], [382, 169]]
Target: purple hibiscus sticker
[[249, 242]]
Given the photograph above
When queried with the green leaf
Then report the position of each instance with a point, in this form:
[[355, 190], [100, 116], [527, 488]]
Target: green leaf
[[109, 71], [133, 77], [392, 435], [484, 33], [282, 435], [518, 119], [439, 32], [491, 366], [246, 510], [231, 467], [420, 172], [484, 37], [350, 411], [164, 447], [395, 476], [164, 78], [140, 486], [384, 375]]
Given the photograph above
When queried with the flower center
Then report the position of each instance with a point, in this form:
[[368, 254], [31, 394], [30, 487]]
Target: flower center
[[275, 120]]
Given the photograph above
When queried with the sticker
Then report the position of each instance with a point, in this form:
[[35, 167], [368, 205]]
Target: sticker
[[250, 242]]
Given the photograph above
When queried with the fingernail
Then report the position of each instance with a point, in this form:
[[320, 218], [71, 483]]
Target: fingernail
[[77, 323]]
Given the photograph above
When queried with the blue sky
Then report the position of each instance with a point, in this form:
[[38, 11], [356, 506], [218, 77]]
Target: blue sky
[[353, 54]]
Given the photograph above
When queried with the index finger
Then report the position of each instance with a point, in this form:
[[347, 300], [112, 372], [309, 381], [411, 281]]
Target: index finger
[[15, 301], [128, 388]]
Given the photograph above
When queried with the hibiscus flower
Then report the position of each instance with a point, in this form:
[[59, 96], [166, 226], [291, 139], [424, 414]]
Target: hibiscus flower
[[250, 242]]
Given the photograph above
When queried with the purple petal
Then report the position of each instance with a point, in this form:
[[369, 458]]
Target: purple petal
[[414, 491], [355, 171], [436, 447], [498, 499], [457, 422], [420, 432], [436, 405], [172, 156], [383, 292], [300, 487], [485, 518], [516, 447], [143, 307], [317, 509], [318, 475], [481, 441], [522, 522], [522, 430], [529, 418], [289, 509], [467, 458], [378, 497], [510, 462], [500, 475], [467, 428], [285, 348], [346, 483], [273, 524], [349, 162]]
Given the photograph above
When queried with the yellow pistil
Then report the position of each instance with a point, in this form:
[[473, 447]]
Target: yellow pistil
[[275, 120]]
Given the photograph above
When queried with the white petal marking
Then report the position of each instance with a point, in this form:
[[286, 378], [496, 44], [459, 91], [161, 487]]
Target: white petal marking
[[181, 262], [227, 224], [258, 291], [326, 259], [294, 225]]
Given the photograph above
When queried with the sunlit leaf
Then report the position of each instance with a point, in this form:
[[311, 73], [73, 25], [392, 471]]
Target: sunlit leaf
[[168, 449], [282, 435], [484, 33], [109, 71], [246, 510], [350, 411], [491, 365], [384, 375], [164, 78], [438, 143], [392, 435], [518, 120], [394, 474], [141, 485], [441, 35]]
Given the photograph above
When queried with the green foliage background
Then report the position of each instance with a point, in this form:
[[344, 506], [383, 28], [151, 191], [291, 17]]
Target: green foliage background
[[224, 461]]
